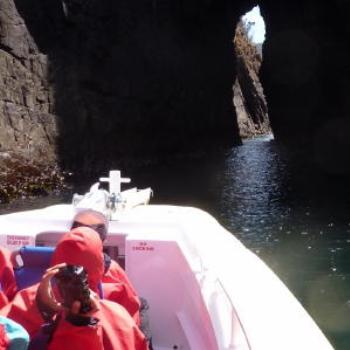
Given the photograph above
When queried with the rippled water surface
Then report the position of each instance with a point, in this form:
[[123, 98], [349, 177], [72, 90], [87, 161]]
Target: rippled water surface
[[294, 217], [298, 221]]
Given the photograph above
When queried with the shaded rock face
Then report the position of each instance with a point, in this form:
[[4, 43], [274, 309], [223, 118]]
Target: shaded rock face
[[249, 99], [97, 80], [306, 78], [136, 79]]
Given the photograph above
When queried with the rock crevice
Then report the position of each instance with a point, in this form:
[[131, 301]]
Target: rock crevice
[[249, 98], [88, 83]]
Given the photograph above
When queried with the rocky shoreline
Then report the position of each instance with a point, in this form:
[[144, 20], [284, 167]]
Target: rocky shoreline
[[22, 178]]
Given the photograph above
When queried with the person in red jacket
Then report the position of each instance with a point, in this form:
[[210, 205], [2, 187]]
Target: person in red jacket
[[90, 330], [115, 282], [7, 276], [113, 272], [110, 327]]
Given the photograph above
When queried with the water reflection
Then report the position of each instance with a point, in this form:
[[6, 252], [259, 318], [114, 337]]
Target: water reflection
[[298, 221], [253, 188]]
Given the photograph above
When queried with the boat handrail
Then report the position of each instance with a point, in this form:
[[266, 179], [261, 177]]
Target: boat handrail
[[114, 201], [234, 315]]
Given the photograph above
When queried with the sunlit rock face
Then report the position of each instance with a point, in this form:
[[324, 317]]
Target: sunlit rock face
[[27, 124], [249, 99], [306, 78]]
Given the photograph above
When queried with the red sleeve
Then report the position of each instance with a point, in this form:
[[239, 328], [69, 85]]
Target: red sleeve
[[118, 288], [116, 274], [121, 294], [3, 300], [70, 337], [23, 310], [120, 331], [115, 330], [7, 276], [3, 338]]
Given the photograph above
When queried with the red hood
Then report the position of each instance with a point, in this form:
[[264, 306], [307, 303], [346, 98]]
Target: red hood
[[81, 246]]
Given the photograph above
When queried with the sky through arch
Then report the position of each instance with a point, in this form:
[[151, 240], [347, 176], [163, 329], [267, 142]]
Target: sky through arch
[[255, 25]]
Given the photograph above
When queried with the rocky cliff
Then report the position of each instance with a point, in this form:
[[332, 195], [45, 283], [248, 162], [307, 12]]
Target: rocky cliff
[[249, 99], [306, 78], [138, 79], [28, 128], [88, 83], [27, 124]]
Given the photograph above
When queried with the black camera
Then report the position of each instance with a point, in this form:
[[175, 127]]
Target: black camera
[[73, 286]]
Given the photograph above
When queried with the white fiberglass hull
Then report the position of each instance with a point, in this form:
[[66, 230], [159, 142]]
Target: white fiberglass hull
[[205, 289]]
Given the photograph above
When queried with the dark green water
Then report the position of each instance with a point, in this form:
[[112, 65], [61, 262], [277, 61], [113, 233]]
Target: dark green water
[[295, 218]]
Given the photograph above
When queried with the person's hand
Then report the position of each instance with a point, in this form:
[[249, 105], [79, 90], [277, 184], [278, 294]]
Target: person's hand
[[45, 295], [94, 301]]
